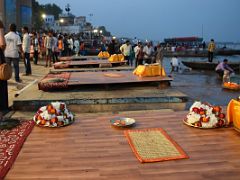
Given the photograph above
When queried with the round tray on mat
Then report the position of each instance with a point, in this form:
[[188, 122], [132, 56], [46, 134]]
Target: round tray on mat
[[188, 124], [122, 122]]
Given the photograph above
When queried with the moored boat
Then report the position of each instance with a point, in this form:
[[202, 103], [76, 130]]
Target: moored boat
[[203, 65]]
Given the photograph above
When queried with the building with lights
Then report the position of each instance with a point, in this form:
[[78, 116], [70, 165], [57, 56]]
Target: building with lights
[[16, 11]]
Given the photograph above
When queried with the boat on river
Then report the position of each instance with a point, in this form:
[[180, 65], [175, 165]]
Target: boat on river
[[203, 65]]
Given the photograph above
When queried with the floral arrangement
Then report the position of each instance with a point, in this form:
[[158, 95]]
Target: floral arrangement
[[204, 115], [55, 114]]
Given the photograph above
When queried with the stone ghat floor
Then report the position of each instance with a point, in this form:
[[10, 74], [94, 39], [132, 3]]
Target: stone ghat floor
[[91, 148]]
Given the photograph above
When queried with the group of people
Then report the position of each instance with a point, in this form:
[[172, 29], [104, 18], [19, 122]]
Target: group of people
[[142, 54]]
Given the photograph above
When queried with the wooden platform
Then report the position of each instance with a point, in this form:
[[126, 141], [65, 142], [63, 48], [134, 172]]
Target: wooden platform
[[90, 63], [117, 68], [92, 149], [77, 58], [104, 78]]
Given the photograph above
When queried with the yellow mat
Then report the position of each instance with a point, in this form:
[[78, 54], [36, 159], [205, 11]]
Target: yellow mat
[[152, 145]]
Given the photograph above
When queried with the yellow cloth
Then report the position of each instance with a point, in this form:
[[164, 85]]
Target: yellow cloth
[[116, 58], [104, 54], [149, 70], [211, 47], [233, 113]]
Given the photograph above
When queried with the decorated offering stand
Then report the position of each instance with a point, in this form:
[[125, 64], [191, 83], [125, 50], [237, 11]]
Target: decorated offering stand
[[53, 115], [204, 115]]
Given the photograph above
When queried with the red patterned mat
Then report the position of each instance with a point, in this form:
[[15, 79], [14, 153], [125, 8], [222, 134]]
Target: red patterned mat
[[54, 81], [11, 142]]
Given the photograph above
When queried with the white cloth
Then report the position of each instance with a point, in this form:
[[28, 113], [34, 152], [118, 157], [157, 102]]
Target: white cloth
[[174, 62], [26, 43], [126, 49], [148, 51], [13, 42]]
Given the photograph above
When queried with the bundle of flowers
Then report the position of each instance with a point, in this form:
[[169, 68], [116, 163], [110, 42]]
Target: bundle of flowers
[[55, 114], [204, 115]]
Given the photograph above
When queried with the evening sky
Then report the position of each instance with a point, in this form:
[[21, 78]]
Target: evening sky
[[159, 19]]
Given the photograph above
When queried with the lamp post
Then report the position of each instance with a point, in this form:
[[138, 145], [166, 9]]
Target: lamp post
[[44, 20], [61, 21]]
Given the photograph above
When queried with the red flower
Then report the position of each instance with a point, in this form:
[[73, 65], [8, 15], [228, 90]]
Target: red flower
[[196, 110]]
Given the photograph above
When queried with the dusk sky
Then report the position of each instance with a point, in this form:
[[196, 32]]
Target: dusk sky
[[159, 19]]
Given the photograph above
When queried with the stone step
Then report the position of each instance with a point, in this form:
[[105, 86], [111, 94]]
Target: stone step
[[100, 100]]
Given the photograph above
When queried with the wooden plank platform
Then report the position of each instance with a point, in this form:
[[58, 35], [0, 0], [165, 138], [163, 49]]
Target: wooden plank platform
[[77, 58], [90, 63], [118, 68], [92, 149], [103, 78]]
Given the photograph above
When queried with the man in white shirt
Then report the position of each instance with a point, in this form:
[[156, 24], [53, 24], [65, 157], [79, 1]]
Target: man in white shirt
[[174, 63], [26, 46], [148, 53], [126, 51], [13, 46]]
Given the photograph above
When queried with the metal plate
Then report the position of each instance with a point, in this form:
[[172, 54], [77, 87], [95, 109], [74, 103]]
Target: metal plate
[[122, 122]]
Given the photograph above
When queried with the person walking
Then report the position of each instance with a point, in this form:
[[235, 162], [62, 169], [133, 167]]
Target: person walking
[[26, 46], [48, 44], [3, 84], [13, 46], [35, 44], [211, 49]]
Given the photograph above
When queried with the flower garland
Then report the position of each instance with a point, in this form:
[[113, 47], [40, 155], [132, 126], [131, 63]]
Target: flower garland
[[55, 114], [204, 115]]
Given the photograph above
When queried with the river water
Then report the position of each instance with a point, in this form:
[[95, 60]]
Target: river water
[[201, 85]]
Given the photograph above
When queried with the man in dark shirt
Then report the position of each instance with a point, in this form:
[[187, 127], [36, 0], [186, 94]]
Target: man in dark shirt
[[112, 47]]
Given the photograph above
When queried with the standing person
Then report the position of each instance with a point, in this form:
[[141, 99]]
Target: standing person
[[126, 51], [211, 49], [112, 47], [148, 53], [159, 55], [35, 44], [77, 46], [174, 64], [55, 48], [136, 51], [26, 46], [82, 49], [3, 84], [140, 56], [70, 46], [13, 46], [48, 44], [60, 45]]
